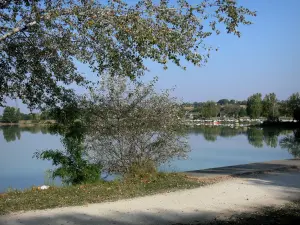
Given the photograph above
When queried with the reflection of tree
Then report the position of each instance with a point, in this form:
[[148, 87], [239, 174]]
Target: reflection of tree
[[230, 132], [271, 137], [292, 143], [211, 133], [11, 133], [44, 130], [255, 137]]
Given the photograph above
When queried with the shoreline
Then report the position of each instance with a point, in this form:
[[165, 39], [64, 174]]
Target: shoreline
[[42, 122], [201, 204]]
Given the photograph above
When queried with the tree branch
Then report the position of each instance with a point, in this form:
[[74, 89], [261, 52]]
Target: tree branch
[[4, 3], [16, 30]]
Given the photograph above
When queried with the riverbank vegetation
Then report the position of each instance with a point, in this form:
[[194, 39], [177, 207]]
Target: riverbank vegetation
[[122, 124], [13, 116], [137, 184], [268, 108]]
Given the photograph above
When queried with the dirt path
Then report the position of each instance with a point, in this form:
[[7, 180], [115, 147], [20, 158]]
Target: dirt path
[[205, 203]]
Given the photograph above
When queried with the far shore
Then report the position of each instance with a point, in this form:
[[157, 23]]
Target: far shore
[[29, 123], [280, 124]]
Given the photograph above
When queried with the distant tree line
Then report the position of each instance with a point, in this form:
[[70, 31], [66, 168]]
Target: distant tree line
[[13, 115], [254, 107]]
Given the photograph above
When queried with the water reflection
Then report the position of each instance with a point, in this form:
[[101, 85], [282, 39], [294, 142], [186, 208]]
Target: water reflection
[[257, 137], [211, 147], [292, 143], [13, 133], [211, 133]]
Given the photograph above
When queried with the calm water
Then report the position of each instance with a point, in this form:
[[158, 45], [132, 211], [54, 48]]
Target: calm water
[[211, 147]]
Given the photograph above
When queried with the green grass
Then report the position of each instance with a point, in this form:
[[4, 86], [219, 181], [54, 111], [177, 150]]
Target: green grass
[[33, 199]]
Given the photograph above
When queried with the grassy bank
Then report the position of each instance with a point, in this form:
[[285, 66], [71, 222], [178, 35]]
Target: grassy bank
[[53, 197]]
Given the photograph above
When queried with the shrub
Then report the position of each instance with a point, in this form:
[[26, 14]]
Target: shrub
[[130, 124], [142, 170]]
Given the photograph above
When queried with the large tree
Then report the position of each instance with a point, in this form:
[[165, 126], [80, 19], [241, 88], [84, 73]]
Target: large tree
[[41, 41], [283, 108], [242, 112], [210, 109], [223, 101], [293, 104], [10, 115], [231, 110], [254, 106], [270, 107]]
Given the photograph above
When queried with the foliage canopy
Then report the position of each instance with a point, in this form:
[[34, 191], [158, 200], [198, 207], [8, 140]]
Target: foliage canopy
[[42, 41]]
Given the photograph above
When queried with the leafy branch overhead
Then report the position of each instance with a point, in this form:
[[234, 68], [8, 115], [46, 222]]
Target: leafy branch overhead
[[41, 41]]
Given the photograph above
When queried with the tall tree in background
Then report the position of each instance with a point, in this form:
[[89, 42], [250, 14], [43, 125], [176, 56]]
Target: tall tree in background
[[223, 101], [283, 108], [254, 106], [293, 104], [17, 115], [232, 101], [270, 107], [42, 42], [10, 115], [296, 114], [210, 109], [242, 112], [231, 110]]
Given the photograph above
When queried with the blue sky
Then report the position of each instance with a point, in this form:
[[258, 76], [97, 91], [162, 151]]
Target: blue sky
[[263, 60]]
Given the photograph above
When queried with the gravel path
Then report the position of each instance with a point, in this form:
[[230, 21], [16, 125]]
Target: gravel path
[[188, 206]]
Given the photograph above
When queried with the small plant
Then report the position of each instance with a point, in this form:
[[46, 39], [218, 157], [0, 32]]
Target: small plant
[[144, 171], [48, 178], [10, 189], [73, 165]]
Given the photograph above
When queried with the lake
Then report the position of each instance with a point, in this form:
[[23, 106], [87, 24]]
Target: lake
[[210, 147]]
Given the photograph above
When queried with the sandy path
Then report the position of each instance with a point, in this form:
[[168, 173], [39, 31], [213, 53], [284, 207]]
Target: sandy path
[[218, 200]]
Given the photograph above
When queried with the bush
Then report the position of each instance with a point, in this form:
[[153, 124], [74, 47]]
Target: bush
[[130, 124], [143, 170]]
